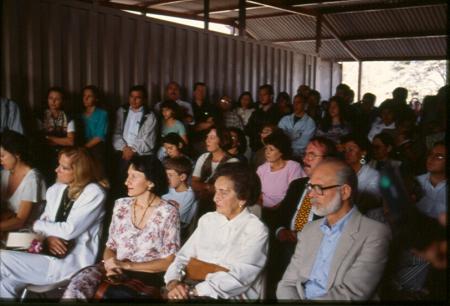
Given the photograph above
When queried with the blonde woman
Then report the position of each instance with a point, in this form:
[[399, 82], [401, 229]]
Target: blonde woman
[[71, 225]]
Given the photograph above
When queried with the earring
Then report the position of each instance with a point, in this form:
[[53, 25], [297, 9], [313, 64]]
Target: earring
[[362, 161], [149, 187]]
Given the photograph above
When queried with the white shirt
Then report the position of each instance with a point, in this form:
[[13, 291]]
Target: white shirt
[[434, 201], [188, 204], [239, 244], [377, 127], [201, 160], [32, 188], [369, 194], [131, 128]]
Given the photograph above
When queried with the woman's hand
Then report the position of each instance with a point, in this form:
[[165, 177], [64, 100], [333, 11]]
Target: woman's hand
[[57, 246], [113, 266], [177, 290]]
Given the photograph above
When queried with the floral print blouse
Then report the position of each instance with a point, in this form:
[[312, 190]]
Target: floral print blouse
[[158, 239]]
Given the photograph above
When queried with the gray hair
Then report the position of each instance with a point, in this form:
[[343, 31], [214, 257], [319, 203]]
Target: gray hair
[[345, 174]]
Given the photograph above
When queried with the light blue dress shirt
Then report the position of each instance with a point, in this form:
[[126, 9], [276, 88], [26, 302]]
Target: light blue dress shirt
[[300, 132], [318, 279]]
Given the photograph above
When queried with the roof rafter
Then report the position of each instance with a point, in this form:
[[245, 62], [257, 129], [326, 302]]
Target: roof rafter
[[387, 36], [380, 6], [228, 21]]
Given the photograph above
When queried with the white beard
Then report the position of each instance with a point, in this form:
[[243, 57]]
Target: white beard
[[331, 208]]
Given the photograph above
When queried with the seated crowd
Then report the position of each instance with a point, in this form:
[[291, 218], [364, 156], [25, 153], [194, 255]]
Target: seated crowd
[[287, 200]]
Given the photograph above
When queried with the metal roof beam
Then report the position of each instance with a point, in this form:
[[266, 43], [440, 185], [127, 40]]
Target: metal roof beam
[[387, 36], [121, 6], [229, 8], [159, 2], [380, 6], [289, 9]]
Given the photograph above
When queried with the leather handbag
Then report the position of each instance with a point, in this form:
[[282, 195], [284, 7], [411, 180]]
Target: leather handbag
[[132, 285]]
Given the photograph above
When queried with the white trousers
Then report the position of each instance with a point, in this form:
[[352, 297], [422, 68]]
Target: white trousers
[[18, 269]]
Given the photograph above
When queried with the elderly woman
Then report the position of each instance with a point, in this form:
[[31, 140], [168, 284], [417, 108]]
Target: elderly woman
[[278, 171], [71, 224], [143, 235], [22, 187], [225, 256], [356, 151]]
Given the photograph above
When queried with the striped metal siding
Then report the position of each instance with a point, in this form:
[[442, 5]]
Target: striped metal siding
[[71, 44]]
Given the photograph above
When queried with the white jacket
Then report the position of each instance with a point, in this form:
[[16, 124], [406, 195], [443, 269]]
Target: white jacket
[[83, 225]]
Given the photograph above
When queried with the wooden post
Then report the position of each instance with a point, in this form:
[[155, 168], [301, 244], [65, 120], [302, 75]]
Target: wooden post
[[206, 13], [359, 79], [242, 18]]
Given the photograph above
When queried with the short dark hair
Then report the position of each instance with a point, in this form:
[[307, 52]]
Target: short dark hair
[[281, 141], [181, 165], [241, 139], [361, 141], [95, 90], [246, 182], [400, 93], [342, 86], [174, 139], [370, 97], [246, 93], [196, 84], [267, 87], [173, 106], [386, 139], [59, 90], [315, 93], [330, 147], [16, 144], [140, 88], [153, 171], [224, 137]]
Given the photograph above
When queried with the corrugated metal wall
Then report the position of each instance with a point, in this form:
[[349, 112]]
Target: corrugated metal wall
[[72, 44]]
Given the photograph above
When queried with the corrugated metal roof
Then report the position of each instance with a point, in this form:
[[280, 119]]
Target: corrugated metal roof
[[433, 18], [377, 28]]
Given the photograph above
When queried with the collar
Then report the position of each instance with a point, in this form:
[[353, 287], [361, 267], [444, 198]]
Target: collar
[[338, 226], [223, 221], [140, 110]]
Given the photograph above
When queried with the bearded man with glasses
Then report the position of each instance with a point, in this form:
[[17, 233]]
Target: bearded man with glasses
[[343, 255]]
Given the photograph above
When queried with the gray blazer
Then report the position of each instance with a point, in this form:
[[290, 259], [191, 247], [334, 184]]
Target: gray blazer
[[357, 265]]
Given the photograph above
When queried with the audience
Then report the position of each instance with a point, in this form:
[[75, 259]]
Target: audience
[[245, 106], [228, 117], [383, 149], [265, 112], [225, 256], [173, 93], [57, 129], [215, 262], [143, 237], [71, 224], [298, 126], [95, 123], [134, 132], [330, 261], [170, 123], [333, 125], [178, 170], [218, 142], [434, 182], [356, 151], [22, 187], [278, 170], [10, 116]]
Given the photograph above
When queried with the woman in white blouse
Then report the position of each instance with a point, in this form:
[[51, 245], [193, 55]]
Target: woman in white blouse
[[22, 187], [225, 256], [71, 224]]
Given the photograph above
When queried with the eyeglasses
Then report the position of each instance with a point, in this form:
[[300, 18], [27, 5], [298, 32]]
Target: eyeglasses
[[311, 155], [318, 188]]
